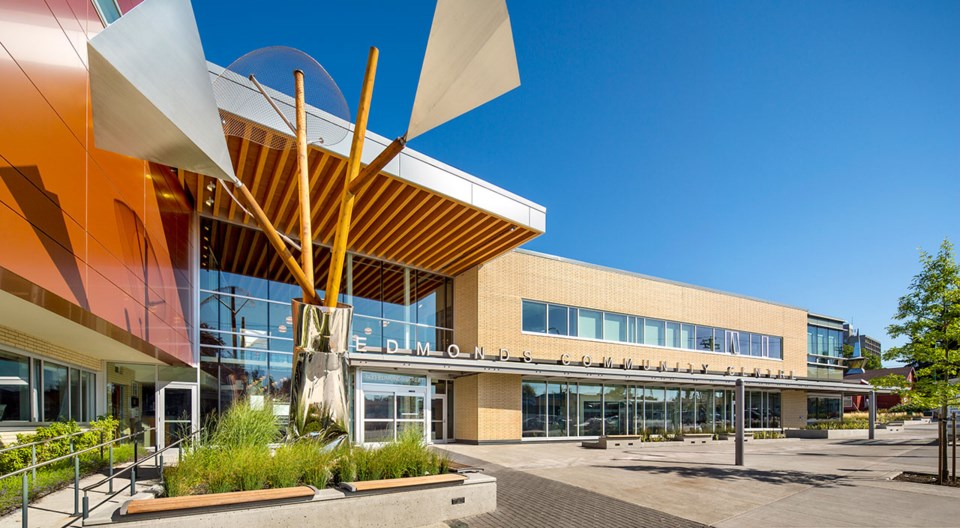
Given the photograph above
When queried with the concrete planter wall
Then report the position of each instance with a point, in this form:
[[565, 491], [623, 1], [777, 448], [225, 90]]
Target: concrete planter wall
[[405, 508], [828, 433]]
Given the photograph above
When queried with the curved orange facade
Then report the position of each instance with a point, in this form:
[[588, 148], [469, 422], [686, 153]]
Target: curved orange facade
[[106, 233]]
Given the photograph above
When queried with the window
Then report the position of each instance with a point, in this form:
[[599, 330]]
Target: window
[[688, 337], [590, 324], [557, 320], [653, 332], [554, 319], [109, 12], [673, 335], [534, 317], [56, 397], [615, 327], [14, 388], [534, 407], [704, 338], [776, 347], [590, 412]]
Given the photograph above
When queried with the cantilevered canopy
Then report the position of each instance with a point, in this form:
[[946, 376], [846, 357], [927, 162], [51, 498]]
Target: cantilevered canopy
[[151, 91]]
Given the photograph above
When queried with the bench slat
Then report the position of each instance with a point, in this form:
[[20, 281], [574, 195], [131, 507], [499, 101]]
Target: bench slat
[[216, 499], [370, 485]]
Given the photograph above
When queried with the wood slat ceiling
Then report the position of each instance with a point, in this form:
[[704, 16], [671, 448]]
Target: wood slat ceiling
[[393, 220], [372, 279]]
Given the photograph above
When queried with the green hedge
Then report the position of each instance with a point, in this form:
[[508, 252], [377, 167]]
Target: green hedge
[[17, 459]]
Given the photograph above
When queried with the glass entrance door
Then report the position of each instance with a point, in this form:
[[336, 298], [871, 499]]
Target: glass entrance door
[[179, 417], [438, 419]]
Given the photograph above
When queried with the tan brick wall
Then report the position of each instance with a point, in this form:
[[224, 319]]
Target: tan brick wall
[[34, 345], [465, 309], [499, 400], [793, 408], [487, 407], [503, 282], [465, 408]]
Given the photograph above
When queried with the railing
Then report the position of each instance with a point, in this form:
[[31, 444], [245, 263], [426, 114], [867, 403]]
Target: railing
[[157, 456], [75, 455]]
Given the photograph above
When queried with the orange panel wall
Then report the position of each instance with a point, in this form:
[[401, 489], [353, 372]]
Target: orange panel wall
[[106, 232]]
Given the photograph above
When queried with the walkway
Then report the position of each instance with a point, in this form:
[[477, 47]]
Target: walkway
[[786, 482]]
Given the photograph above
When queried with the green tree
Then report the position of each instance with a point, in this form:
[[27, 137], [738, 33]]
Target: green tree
[[928, 316], [873, 362]]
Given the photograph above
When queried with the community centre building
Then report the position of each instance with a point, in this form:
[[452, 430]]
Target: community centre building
[[144, 291]]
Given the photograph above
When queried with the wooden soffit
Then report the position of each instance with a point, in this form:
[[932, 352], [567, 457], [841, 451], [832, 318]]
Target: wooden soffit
[[393, 219]]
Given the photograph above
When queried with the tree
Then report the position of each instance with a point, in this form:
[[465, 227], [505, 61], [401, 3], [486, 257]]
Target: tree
[[929, 317], [873, 361]]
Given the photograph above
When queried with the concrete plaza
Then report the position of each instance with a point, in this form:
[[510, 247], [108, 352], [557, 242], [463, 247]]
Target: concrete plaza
[[786, 482]]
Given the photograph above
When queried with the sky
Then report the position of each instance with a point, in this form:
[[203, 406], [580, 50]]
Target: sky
[[800, 152]]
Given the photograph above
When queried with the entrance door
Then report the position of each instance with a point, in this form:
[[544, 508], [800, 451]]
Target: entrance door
[[438, 419], [178, 412]]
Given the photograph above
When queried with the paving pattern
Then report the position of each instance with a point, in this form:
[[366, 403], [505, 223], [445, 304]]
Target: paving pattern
[[528, 501]]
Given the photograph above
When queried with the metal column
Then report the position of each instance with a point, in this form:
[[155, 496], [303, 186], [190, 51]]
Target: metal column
[[739, 419], [873, 414]]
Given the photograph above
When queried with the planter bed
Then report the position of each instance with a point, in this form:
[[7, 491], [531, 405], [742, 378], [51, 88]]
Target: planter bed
[[404, 503]]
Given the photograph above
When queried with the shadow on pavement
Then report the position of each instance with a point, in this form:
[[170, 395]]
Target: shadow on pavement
[[734, 473]]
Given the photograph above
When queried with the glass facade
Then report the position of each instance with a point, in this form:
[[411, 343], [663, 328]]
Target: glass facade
[[246, 325], [558, 409], [555, 319], [824, 352]]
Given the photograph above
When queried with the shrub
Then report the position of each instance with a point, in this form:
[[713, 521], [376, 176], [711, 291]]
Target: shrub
[[16, 459]]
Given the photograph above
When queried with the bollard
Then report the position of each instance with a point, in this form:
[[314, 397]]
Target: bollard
[[33, 461], [76, 485], [954, 448], [25, 507], [110, 474], [86, 505], [133, 480]]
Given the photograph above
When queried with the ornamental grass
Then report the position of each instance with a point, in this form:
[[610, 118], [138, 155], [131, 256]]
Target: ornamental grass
[[236, 456]]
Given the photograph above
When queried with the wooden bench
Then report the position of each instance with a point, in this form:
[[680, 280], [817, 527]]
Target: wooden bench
[[169, 504], [697, 438], [385, 484]]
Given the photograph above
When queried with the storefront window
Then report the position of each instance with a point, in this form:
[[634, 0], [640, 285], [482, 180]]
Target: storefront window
[[673, 411], [653, 410], [824, 408], [534, 407], [557, 409], [590, 412], [688, 406], [615, 409]]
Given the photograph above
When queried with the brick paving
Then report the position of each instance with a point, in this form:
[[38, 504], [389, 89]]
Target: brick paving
[[525, 500]]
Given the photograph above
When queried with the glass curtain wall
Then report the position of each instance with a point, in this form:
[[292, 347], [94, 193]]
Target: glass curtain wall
[[559, 409], [246, 324]]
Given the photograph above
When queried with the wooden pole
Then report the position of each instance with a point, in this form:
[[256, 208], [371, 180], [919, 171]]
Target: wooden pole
[[353, 168], [267, 227], [303, 181], [377, 165]]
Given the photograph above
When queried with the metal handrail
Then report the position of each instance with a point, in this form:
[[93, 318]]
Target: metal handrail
[[39, 442], [133, 474], [25, 489], [74, 454]]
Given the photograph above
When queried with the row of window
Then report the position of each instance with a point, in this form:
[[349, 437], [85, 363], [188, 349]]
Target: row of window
[[556, 319], [825, 343], [551, 409], [35, 390]]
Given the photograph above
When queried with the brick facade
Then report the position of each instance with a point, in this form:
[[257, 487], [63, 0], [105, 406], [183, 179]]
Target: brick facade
[[487, 313], [33, 345]]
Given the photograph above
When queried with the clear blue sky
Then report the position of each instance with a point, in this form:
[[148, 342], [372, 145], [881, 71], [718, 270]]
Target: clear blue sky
[[795, 151]]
